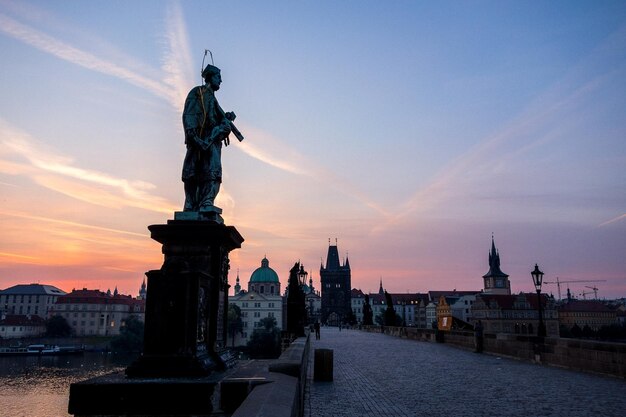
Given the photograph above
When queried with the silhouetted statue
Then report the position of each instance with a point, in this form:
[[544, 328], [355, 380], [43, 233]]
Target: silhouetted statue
[[368, 314], [206, 127], [296, 308]]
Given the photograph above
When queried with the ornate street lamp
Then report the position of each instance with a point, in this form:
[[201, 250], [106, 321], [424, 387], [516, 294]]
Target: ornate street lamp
[[302, 274], [538, 280]]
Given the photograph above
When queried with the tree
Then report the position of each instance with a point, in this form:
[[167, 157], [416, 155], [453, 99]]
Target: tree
[[265, 340], [131, 336], [57, 326], [588, 331], [235, 324], [367, 312], [390, 313]]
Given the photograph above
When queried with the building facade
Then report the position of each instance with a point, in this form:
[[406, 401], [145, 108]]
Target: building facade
[[261, 300], [515, 314], [18, 326], [29, 299], [93, 312], [586, 313], [336, 289]]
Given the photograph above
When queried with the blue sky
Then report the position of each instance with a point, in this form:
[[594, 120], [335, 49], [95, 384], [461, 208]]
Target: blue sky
[[410, 131]]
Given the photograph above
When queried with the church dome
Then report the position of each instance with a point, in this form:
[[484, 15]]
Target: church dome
[[264, 273]]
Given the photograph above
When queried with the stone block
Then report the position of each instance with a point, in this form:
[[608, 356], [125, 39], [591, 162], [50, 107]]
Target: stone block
[[323, 365]]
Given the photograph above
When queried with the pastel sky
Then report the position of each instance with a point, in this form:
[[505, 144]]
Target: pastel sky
[[408, 130]]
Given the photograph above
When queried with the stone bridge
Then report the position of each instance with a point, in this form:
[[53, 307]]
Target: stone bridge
[[381, 375]]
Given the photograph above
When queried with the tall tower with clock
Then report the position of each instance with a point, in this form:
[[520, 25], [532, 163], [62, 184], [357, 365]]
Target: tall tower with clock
[[496, 281]]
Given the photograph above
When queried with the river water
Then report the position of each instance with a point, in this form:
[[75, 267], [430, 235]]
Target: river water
[[39, 386]]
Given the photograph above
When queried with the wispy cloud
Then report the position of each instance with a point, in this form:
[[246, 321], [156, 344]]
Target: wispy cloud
[[266, 148], [613, 220], [177, 62], [70, 223], [58, 173], [63, 50], [545, 119]]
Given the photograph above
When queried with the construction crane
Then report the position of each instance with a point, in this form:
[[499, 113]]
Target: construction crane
[[586, 293], [595, 291], [558, 283]]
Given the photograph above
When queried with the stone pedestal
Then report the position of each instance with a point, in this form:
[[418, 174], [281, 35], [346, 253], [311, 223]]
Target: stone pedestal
[[185, 330], [185, 327]]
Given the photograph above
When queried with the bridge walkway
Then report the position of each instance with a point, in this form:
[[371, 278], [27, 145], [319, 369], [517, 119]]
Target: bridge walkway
[[380, 375]]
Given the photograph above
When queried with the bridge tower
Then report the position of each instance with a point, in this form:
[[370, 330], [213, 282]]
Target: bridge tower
[[496, 281], [336, 286]]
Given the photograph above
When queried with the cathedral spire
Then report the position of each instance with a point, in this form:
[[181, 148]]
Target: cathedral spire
[[381, 291]]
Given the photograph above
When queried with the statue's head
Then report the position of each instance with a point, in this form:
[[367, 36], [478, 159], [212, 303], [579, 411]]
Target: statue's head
[[212, 75]]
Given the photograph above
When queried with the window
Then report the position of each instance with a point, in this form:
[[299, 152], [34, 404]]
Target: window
[[270, 314], [257, 305], [257, 314], [262, 289]]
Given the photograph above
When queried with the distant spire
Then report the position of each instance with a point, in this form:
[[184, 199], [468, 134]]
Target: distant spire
[[142, 291], [115, 292], [237, 287], [380, 289]]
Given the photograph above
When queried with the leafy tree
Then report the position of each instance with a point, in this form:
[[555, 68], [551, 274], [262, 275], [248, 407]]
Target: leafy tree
[[265, 340], [565, 331], [367, 312], [235, 324], [587, 331], [390, 313], [57, 326], [131, 336]]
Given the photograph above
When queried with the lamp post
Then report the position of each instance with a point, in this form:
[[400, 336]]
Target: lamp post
[[538, 280]]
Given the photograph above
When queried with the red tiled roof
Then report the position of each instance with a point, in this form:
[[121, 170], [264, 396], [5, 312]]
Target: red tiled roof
[[506, 301], [85, 296], [356, 293], [21, 320], [399, 298], [585, 306]]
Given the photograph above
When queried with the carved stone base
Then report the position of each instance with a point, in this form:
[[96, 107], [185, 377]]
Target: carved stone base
[[185, 327], [210, 214]]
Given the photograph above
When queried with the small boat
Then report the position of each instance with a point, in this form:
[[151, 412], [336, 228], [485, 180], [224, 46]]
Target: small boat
[[41, 350]]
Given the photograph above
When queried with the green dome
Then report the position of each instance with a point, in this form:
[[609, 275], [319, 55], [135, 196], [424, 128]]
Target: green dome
[[264, 273]]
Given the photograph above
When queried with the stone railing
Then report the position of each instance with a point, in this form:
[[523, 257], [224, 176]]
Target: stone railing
[[273, 389], [582, 355]]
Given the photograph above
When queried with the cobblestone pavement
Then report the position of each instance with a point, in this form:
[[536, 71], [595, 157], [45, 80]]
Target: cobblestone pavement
[[379, 375]]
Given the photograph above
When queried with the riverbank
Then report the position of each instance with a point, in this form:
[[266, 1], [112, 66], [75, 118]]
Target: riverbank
[[90, 344]]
